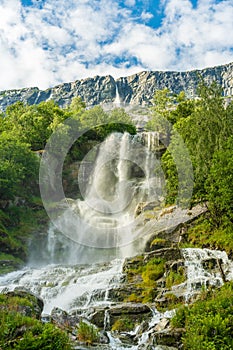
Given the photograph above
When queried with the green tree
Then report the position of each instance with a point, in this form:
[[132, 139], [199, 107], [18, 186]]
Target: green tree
[[18, 168], [168, 107], [204, 132], [219, 185], [34, 124]]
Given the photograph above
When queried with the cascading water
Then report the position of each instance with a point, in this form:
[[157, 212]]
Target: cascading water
[[117, 101], [67, 287], [102, 228], [102, 225], [205, 268]]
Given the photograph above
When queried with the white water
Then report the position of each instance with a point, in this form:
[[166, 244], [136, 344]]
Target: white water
[[200, 275], [117, 102], [84, 287], [102, 225], [67, 287]]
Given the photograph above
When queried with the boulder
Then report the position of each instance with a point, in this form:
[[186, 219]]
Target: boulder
[[169, 337], [33, 305], [64, 320], [134, 312]]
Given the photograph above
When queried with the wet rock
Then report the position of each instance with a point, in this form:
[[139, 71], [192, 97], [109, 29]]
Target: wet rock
[[103, 337], [122, 293], [211, 263], [63, 319], [135, 313], [168, 300], [130, 309], [167, 254], [175, 265], [164, 347], [164, 323], [97, 317]]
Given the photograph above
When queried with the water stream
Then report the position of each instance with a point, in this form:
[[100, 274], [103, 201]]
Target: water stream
[[80, 264]]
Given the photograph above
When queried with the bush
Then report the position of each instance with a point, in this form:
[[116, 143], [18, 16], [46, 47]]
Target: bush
[[22, 332], [87, 333], [208, 323]]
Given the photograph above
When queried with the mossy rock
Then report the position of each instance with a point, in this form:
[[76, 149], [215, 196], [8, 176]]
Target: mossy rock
[[170, 337], [135, 313], [26, 303], [9, 263], [168, 301], [124, 292]]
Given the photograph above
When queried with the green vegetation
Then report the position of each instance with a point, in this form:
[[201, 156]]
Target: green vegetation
[[146, 276], [24, 132], [206, 127], [23, 332], [208, 322], [87, 333], [205, 234], [173, 278], [17, 225], [123, 324]]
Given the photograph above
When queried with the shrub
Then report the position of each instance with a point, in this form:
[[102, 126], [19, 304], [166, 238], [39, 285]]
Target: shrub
[[209, 322], [87, 333], [22, 332]]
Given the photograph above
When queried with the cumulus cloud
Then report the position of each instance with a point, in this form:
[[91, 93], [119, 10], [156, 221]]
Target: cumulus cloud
[[54, 41]]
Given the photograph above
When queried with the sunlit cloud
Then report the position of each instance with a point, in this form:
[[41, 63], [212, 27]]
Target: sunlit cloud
[[53, 41]]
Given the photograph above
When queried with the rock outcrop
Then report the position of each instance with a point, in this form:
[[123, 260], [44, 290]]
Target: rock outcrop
[[137, 89]]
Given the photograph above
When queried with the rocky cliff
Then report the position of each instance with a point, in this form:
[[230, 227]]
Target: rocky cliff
[[135, 89]]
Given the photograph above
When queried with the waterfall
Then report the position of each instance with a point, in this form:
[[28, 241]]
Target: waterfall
[[117, 102], [150, 140], [102, 225], [205, 268], [67, 287]]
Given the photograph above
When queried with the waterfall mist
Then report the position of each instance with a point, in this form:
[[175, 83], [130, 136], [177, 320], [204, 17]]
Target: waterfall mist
[[102, 226]]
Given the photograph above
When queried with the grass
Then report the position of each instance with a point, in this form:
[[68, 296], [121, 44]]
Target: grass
[[205, 235], [123, 324], [145, 276], [23, 332]]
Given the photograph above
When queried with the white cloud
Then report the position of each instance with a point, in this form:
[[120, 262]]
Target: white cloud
[[64, 41], [145, 16], [130, 3]]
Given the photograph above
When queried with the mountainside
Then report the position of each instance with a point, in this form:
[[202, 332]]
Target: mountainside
[[135, 89]]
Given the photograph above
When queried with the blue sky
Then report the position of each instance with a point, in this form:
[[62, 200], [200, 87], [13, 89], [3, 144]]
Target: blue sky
[[47, 42]]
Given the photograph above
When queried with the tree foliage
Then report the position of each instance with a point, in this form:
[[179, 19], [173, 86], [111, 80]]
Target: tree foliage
[[219, 184], [18, 168], [204, 124]]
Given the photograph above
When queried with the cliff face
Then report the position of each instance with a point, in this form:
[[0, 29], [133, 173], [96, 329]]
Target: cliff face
[[135, 89]]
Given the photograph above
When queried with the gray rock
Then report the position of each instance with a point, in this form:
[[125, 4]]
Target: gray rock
[[134, 312], [63, 320], [169, 337], [137, 89]]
